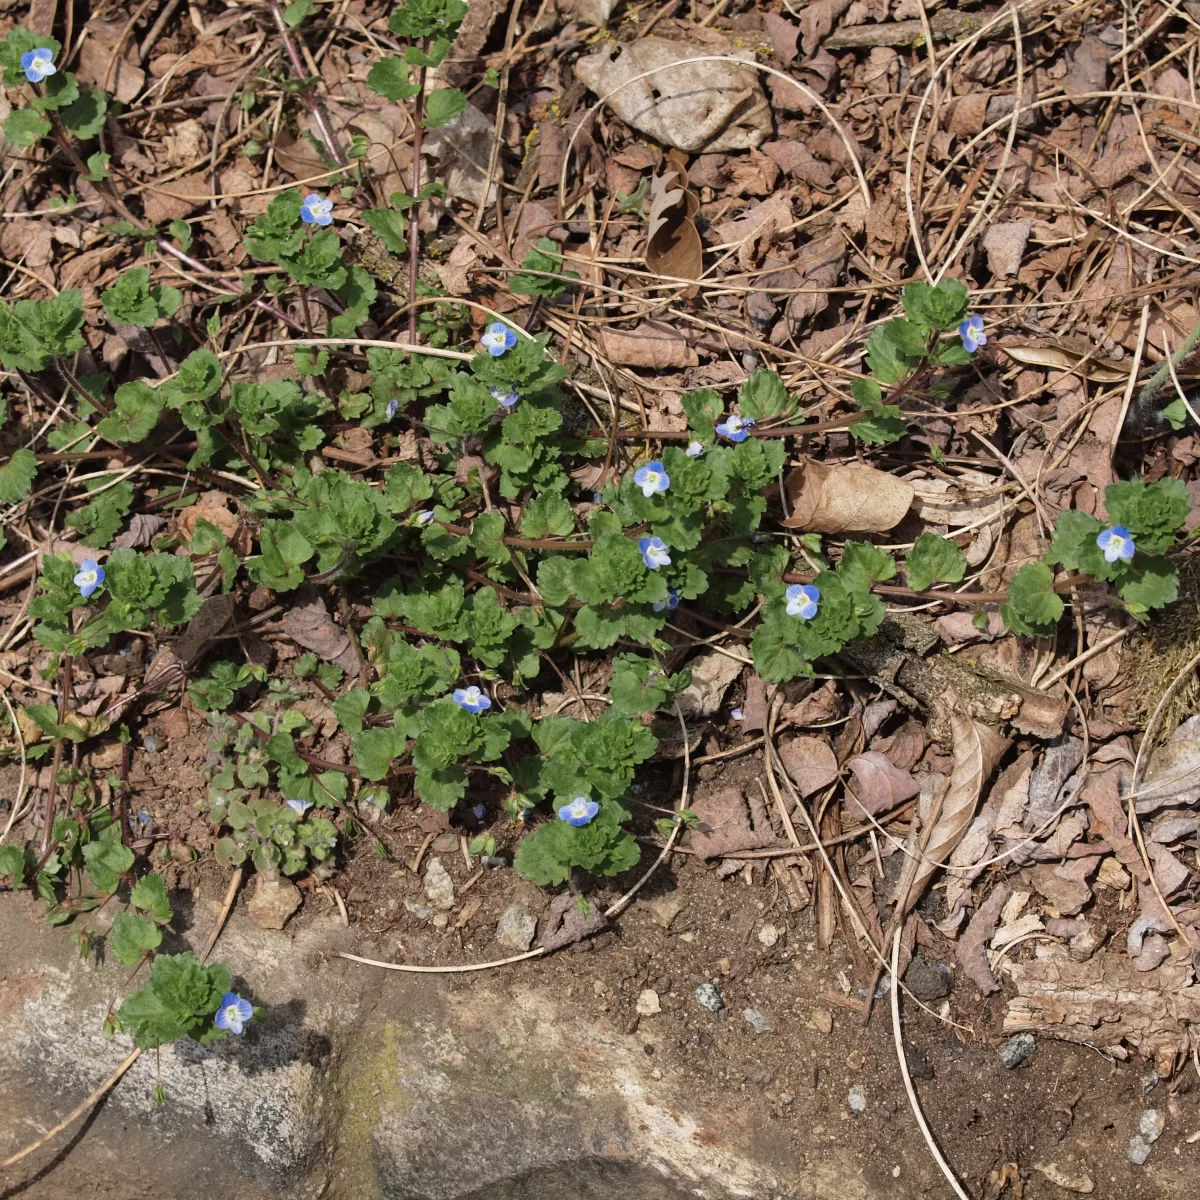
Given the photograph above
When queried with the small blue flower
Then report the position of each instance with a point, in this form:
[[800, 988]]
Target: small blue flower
[[316, 210], [694, 449], [498, 338], [472, 699], [479, 812], [735, 428], [971, 332], [1116, 542], [390, 412], [38, 64], [505, 397], [89, 578], [598, 497], [579, 812], [652, 478], [654, 552], [233, 1013], [670, 604], [802, 600], [736, 714], [423, 518], [300, 806]]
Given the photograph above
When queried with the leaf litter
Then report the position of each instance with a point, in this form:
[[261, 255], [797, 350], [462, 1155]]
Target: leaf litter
[[1076, 221]]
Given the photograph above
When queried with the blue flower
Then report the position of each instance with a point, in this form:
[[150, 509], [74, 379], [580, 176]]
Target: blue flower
[[472, 699], [233, 1013], [735, 428], [316, 210], [423, 518], [390, 412], [300, 806], [654, 552], [971, 332], [90, 577], [802, 600], [652, 478], [579, 812], [736, 714], [38, 64], [670, 604], [498, 338], [505, 397], [1116, 542], [694, 449], [479, 812]]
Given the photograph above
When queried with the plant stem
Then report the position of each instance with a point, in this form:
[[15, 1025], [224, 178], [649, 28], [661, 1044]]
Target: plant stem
[[1149, 393], [79, 389], [414, 229]]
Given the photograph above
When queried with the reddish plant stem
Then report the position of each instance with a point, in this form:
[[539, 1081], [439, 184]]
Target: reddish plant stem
[[52, 790], [414, 228]]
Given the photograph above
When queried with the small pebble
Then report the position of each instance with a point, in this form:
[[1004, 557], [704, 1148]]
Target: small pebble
[[1139, 1150], [1016, 1050], [756, 1020], [648, 1004], [492, 861], [151, 744], [768, 935], [421, 911], [856, 1098], [1151, 1124], [821, 1019], [708, 997]]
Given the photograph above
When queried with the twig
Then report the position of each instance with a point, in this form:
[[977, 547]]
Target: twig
[[914, 1103], [414, 227]]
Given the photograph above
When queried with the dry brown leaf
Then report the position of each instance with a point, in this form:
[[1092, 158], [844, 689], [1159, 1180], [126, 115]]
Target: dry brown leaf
[[673, 247], [309, 625], [841, 499], [972, 953], [816, 20], [1005, 244], [564, 923], [879, 785], [1067, 895], [810, 762], [724, 825], [214, 514], [1172, 775], [141, 531], [123, 79], [753, 234], [1057, 358], [693, 106], [711, 676], [652, 344]]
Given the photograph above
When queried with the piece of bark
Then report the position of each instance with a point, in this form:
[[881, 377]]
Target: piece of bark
[[971, 952], [565, 924], [946, 25]]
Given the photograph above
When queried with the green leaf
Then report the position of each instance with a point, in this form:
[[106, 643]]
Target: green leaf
[[85, 118], [106, 860], [894, 349], [1033, 607], [1151, 582], [863, 564], [150, 895], [136, 409], [132, 937], [703, 409], [443, 105], [1151, 512], [24, 127], [938, 308], [179, 1001], [132, 301], [1074, 545], [12, 863], [934, 558], [547, 515], [59, 90], [545, 257], [374, 750], [763, 396], [297, 11], [17, 42], [99, 521], [17, 475], [98, 171], [389, 78]]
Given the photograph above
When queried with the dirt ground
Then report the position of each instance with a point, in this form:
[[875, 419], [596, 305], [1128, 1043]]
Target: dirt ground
[[1068, 1108]]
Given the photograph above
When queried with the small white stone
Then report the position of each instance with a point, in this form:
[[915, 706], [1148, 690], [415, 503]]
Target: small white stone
[[439, 887], [768, 935], [856, 1098], [648, 1003]]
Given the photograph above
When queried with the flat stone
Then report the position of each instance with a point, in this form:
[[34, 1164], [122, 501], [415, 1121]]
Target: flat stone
[[1151, 1124], [856, 1098], [768, 935], [1069, 1179], [439, 887], [757, 1021], [421, 911], [664, 909], [516, 928], [708, 997], [648, 1004], [1139, 1150], [274, 900], [1016, 1050], [445, 843]]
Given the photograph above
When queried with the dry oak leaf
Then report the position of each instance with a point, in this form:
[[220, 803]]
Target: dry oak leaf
[[309, 625], [971, 952], [714, 105], [880, 784], [724, 826], [841, 499], [816, 20], [652, 344], [810, 762], [711, 676], [673, 246], [1005, 245], [753, 234]]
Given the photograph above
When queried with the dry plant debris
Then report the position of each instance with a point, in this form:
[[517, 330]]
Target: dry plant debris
[[249, 264]]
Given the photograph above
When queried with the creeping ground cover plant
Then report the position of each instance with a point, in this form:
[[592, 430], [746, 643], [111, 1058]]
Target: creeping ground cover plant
[[440, 527]]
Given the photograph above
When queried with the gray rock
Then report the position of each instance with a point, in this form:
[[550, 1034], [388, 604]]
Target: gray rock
[[1139, 1150], [856, 1098], [439, 887], [421, 911], [1016, 1050], [708, 997], [274, 900], [1151, 1124], [758, 1021], [516, 928]]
